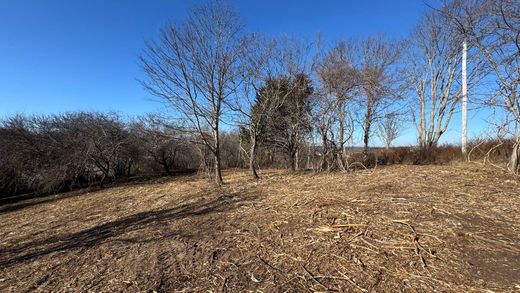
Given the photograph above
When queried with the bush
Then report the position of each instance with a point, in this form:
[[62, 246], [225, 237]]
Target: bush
[[49, 154], [419, 156]]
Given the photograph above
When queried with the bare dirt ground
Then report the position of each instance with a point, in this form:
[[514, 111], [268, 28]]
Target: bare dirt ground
[[401, 228]]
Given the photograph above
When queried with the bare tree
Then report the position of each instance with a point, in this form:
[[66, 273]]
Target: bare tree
[[389, 129], [460, 16], [433, 71], [493, 27], [324, 118], [195, 67], [496, 32], [105, 135], [380, 85], [450, 11], [166, 143], [339, 78], [333, 102], [333, 129]]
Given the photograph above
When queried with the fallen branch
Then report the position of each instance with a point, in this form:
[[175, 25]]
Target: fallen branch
[[416, 243], [316, 280]]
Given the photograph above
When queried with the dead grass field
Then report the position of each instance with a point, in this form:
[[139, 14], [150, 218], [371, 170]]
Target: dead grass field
[[401, 228]]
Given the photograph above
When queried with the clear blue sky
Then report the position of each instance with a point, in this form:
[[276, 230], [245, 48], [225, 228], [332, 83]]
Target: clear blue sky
[[58, 55]]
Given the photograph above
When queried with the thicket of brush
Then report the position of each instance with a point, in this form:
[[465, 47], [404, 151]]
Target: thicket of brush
[[50, 154], [491, 150]]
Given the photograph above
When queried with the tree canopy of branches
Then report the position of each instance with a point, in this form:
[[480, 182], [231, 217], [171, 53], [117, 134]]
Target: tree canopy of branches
[[48, 154], [389, 128], [195, 67], [380, 84], [340, 79], [433, 71], [495, 29]]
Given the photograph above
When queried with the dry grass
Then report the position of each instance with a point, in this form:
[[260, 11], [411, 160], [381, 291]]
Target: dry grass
[[400, 228]]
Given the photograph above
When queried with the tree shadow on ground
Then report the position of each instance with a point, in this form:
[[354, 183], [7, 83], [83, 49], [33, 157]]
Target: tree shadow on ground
[[108, 231]]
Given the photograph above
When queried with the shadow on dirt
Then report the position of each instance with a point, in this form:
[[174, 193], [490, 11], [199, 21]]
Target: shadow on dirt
[[109, 231]]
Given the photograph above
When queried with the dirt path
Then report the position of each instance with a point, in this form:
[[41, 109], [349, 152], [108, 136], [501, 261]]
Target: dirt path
[[400, 228]]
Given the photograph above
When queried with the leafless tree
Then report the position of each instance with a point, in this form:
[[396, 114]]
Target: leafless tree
[[433, 72], [496, 32], [454, 11], [339, 78], [327, 124], [106, 137], [380, 83], [389, 128], [493, 27], [195, 67], [323, 119]]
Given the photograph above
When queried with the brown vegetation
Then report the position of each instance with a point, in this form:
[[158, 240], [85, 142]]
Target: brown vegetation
[[398, 228]]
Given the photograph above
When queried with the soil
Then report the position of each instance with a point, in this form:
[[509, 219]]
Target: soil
[[452, 228]]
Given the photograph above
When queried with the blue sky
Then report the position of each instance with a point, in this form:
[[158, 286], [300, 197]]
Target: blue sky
[[58, 55]]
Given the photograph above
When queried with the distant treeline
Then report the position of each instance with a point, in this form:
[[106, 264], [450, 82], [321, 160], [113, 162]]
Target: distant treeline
[[49, 154]]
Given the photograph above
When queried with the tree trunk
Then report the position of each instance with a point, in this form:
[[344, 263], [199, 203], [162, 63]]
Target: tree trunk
[[464, 100], [422, 122], [297, 159], [308, 164], [342, 128], [218, 172], [292, 154], [252, 159], [325, 151], [166, 169], [366, 135], [514, 161], [216, 154], [367, 123]]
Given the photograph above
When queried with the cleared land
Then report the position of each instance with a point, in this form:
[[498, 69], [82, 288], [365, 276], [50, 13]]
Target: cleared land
[[408, 228]]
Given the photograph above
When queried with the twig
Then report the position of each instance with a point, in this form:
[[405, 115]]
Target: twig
[[416, 243], [357, 163], [316, 280], [269, 265], [352, 281], [472, 149]]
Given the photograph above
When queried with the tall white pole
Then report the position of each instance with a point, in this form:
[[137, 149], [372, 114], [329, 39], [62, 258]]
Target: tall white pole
[[464, 100]]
